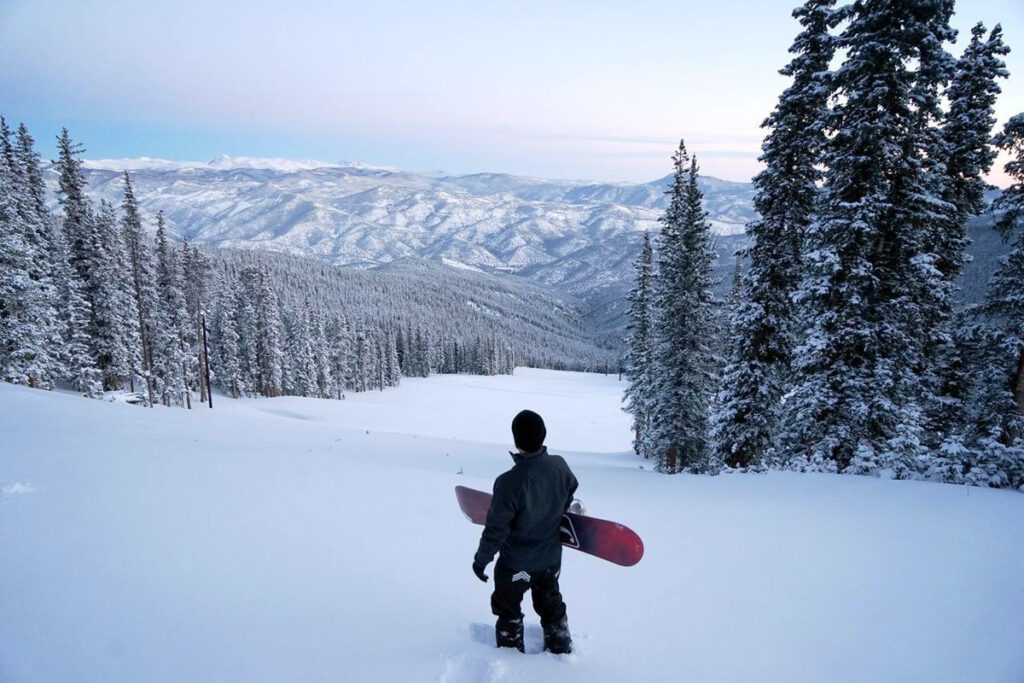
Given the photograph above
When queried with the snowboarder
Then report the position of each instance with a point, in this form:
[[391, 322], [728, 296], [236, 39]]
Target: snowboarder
[[522, 526]]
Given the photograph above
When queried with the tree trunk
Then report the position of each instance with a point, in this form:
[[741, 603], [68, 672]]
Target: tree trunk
[[185, 386], [671, 456], [206, 364]]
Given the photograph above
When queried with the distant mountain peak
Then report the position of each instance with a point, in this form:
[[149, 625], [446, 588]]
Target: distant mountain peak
[[224, 162], [577, 236]]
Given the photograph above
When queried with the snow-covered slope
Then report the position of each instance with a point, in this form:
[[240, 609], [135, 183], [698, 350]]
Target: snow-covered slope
[[304, 540], [572, 234]]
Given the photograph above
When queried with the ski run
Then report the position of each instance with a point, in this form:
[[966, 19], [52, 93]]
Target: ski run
[[297, 539]]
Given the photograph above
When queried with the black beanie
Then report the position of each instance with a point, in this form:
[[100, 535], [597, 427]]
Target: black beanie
[[528, 431]]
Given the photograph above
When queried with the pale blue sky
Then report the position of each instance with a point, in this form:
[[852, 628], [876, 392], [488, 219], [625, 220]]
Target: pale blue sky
[[559, 88]]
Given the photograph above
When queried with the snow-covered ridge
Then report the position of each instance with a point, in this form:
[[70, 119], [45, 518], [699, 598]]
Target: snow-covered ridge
[[579, 236], [222, 162]]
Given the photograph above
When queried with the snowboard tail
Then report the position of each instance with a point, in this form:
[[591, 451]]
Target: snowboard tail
[[610, 541]]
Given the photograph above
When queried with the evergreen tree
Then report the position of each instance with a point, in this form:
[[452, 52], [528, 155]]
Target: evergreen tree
[[762, 322], [77, 230], [175, 334], [114, 331], [144, 289], [39, 232], [22, 358], [194, 274], [869, 284], [226, 358], [967, 131], [248, 329], [391, 372], [678, 434], [998, 458], [317, 332], [269, 346], [361, 356], [303, 376], [74, 314], [27, 340], [341, 355], [964, 151], [77, 224], [638, 362]]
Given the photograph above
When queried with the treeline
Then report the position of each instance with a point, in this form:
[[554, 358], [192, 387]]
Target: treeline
[[272, 335], [92, 298], [459, 310], [87, 296], [848, 348]]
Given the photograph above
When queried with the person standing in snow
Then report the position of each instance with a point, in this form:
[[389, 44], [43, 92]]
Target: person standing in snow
[[523, 527]]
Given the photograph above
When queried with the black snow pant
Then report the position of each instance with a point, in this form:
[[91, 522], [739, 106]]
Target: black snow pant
[[510, 585]]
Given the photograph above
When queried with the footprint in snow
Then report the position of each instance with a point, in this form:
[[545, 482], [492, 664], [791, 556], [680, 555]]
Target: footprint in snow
[[466, 668]]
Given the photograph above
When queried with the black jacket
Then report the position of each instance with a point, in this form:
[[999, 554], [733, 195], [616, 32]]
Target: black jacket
[[524, 517]]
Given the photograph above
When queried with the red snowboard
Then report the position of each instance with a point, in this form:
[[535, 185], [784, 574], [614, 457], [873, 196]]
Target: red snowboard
[[598, 537]]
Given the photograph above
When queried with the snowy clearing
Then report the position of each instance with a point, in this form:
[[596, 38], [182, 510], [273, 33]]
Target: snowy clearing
[[305, 540]]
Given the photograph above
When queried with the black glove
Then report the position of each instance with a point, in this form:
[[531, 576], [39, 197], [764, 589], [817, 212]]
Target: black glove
[[478, 569]]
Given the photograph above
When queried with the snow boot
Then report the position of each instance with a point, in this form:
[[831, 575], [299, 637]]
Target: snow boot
[[509, 633], [557, 639]]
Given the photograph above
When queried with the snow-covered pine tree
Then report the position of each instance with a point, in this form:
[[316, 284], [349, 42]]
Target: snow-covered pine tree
[[176, 335], [637, 361], [362, 347], [114, 330], [678, 430], [78, 226], [301, 379], [27, 344], [17, 291], [317, 332], [74, 313], [341, 358], [966, 153], [269, 345], [44, 271], [244, 305], [762, 324], [144, 287], [228, 357], [867, 290], [195, 270], [391, 373], [414, 352], [1009, 206], [76, 223], [998, 457], [404, 357], [431, 352], [967, 132]]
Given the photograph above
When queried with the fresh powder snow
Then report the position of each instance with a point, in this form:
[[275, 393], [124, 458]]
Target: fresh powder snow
[[296, 539]]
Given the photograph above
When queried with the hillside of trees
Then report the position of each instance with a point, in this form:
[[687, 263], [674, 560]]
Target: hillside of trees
[[98, 297], [855, 343]]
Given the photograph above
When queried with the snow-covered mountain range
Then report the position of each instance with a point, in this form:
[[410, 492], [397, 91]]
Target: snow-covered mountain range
[[575, 236], [572, 234]]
